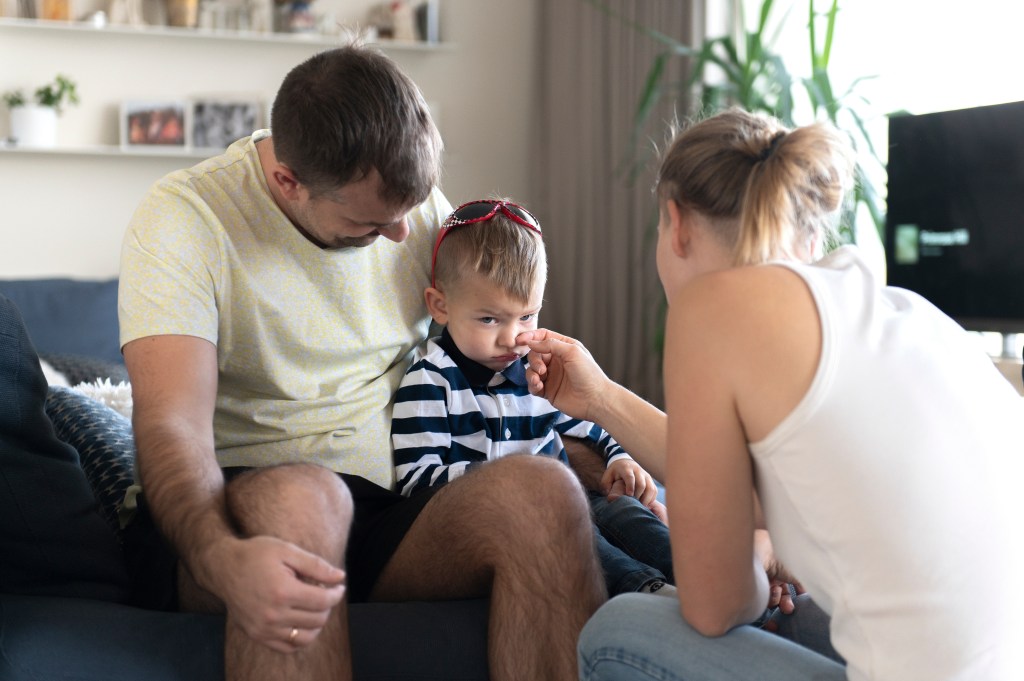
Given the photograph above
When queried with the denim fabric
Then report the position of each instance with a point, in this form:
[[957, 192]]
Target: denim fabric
[[632, 543], [637, 637]]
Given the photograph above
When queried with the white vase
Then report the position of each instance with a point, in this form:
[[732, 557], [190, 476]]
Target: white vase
[[34, 126]]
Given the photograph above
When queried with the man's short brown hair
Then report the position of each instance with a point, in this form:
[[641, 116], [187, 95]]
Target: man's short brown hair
[[345, 112]]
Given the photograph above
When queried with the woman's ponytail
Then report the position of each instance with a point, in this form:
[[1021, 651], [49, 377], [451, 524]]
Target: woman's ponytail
[[770, 193]]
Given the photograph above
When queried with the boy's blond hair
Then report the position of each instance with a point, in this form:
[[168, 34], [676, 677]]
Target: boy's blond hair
[[504, 252]]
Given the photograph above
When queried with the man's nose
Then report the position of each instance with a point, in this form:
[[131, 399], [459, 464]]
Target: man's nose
[[397, 232]]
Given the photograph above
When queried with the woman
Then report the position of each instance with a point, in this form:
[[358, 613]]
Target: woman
[[882, 445]]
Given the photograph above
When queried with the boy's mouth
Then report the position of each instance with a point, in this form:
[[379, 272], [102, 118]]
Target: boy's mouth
[[507, 358]]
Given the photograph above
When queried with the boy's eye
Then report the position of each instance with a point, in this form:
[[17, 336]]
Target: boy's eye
[[487, 320], [527, 317]]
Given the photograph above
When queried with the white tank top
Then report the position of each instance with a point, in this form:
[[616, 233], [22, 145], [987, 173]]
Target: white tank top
[[893, 490]]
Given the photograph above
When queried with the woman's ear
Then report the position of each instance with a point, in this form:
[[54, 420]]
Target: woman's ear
[[678, 229], [437, 306]]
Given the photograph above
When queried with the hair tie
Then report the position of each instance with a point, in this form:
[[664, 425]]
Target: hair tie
[[772, 145]]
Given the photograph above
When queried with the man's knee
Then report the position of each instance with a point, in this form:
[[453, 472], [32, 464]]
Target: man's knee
[[291, 501], [539, 482]]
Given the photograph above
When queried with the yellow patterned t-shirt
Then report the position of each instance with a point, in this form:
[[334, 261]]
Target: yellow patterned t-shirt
[[311, 343]]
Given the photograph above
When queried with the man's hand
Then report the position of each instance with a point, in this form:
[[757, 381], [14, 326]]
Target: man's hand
[[562, 371], [272, 587], [636, 482]]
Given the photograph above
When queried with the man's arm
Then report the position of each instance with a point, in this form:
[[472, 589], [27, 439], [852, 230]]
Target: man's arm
[[174, 387]]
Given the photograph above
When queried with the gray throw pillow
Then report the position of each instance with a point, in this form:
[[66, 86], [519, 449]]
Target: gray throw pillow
[[104, 441]]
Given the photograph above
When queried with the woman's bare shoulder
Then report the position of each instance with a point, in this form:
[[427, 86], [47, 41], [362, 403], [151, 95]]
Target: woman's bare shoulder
[[755, 328]]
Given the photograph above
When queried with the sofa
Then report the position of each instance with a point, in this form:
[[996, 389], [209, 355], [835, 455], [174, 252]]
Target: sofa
[[69, 609]]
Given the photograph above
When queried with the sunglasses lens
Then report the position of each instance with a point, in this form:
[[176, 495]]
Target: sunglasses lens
[[522, 215], [475, 210]]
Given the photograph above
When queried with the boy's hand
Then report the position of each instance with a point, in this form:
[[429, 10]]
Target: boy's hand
[[634, 481]]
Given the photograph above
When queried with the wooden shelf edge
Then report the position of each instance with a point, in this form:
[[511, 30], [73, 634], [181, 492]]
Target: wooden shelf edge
[[175, 32], [108, 150]]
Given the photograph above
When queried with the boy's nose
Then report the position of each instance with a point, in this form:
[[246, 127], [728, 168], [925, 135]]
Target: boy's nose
[[507, 339]]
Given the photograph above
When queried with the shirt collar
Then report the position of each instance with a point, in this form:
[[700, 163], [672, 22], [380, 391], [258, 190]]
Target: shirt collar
[[477, 374]]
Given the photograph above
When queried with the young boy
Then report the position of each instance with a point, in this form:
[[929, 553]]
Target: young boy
[[465, 401]]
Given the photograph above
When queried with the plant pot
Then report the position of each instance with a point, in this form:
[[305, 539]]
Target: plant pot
[[34, 126]]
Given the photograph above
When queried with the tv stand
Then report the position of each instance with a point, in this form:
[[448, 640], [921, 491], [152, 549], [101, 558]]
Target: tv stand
[[1012, 345], [1010, 363]]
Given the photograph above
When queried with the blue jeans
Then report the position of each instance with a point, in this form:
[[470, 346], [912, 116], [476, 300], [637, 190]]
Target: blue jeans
[[637, 637], [632, 543]]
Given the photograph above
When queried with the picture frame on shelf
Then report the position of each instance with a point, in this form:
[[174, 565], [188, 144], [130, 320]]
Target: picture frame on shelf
[[218, 122], [151, 125]]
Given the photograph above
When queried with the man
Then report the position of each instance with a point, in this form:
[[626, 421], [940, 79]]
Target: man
[[266, 326]]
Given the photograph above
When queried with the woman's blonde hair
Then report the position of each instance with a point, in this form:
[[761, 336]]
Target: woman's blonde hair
[[504, 252], [769, 192]]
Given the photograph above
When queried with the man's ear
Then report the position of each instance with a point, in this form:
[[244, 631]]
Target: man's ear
[[437, 306], [285, 179], [678, 229]]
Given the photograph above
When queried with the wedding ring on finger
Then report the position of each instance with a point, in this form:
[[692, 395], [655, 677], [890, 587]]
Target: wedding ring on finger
[[293, 635]]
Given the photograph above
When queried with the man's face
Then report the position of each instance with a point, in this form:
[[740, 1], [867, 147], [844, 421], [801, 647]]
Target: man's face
[[352, 216]]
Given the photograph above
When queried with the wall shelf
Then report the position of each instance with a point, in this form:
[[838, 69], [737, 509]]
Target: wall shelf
[[174, 33], [107, 150]]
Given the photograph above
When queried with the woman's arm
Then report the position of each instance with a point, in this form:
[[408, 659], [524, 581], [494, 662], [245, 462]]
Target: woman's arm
[[563, 372], [741, 347]]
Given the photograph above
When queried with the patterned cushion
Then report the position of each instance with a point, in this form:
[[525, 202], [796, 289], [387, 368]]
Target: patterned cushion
[[80, 369], [104, 442]]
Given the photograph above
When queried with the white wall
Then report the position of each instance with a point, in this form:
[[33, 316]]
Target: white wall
[[63, 214]]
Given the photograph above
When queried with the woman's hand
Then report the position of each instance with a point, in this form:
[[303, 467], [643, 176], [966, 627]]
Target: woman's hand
[[562, 371]]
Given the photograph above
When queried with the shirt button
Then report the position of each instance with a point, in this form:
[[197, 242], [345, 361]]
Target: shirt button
[[508, 402], [508, 434]]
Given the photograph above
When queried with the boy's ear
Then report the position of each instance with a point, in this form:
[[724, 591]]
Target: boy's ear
[[437, 306], [678, 229]]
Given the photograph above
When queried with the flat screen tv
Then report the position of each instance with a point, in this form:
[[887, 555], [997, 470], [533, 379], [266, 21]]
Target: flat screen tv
[[955, 220]]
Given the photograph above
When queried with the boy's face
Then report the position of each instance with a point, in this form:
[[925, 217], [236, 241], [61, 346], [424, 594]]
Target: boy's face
[[484, 320]]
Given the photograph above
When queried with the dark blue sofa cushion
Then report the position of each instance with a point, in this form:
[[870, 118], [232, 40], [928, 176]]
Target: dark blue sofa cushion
[[68, 316], [66, 638], [53, 540]]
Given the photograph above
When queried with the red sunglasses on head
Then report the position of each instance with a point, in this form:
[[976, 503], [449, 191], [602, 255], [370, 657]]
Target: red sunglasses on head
[[481, 211]]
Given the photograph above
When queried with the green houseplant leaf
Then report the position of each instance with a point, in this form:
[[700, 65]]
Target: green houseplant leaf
[[58, 95], [743, 69]]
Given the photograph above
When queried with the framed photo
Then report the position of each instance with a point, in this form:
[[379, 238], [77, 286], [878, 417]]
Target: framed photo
[[216, 123], [154, 125]]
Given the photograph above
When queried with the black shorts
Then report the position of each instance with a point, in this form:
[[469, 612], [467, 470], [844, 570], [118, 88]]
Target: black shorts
[[380, 522]]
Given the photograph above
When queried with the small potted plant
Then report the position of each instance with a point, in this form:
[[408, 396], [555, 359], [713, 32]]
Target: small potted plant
[[34, 123]]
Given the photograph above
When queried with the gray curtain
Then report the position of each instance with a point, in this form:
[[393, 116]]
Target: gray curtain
[[599, 214]]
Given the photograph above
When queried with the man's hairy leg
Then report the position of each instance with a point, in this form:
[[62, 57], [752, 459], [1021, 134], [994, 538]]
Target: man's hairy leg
[[519, 527], [585, 462], [310, 507]]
